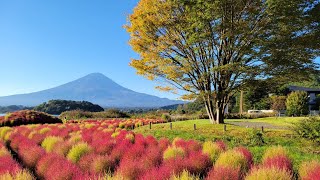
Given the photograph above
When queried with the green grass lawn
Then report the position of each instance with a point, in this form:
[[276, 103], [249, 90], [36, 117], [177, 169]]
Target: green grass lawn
[[277, 121], [299, 149]]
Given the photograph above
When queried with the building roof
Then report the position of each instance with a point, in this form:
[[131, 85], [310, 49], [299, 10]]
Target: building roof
[[298, 88]]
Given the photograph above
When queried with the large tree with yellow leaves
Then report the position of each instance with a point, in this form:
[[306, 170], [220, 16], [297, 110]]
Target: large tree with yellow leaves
[[213, 48]]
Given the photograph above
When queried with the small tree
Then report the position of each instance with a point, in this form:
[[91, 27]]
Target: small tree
[[278, 103], [297, 103]]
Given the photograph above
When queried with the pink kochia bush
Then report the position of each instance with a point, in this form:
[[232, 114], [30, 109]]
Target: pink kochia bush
[[224, 173], [7, 163], [247, 154], [234, 161], [277, 157], [53, 166], [233, 168]]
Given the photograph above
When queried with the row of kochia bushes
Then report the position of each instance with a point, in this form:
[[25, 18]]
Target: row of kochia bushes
[[99, 149], [9, 168], [24, 117]]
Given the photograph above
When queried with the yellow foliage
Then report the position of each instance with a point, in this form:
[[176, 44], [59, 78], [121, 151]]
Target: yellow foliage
[[233, 159], [212, 149], [270, 173], [77, 151], [44, 130], [20, 175], [4, 131], [185, 175], [49, 142], [274, 151], [173, 152]]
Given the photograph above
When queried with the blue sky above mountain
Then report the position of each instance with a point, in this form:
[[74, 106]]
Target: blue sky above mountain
[[46, 43]]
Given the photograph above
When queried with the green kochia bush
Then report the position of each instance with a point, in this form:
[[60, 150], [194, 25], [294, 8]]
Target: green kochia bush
[[49, 142], [297, 103], [233, 159], [308, 128], [77, 151], [173, 152], [213, 150]]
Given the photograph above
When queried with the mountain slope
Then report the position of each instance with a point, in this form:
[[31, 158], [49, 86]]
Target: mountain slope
[[95, 88]]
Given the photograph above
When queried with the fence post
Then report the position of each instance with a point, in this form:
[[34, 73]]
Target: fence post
[[262, 129], [225, 128], [171, 126], [194, 127], [150, 125]]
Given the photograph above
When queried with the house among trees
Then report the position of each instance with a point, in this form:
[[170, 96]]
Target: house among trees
[[312, 94]]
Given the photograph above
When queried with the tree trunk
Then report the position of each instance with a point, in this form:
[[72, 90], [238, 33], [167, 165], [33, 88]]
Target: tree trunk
[[220, 114], [210, 110]]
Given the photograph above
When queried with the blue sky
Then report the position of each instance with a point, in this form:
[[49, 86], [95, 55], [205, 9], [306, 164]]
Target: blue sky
[[47, 43]]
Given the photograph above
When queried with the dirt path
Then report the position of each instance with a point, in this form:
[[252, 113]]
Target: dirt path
[[257, 125]]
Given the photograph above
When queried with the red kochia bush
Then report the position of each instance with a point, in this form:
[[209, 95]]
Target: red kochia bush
[[224, 173], [18, 141], [280, 161], [27, 117], [198, 163], [177, 165], [164, 143], [121, 147], [44, 162], [7, 164], [61, 169], [247, 154], [314, 174], [222, 145], [30, 155], [131, 170], [189, 146], [158, 173], [95, 163], [103, 146]]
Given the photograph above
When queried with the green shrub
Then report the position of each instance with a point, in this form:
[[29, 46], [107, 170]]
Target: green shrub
[[77, 151], [173, 152], [49, 142], [272, 173], [4, 131], [255, 138], [78, 114], [308, 128], [166, 117], [297, 103]]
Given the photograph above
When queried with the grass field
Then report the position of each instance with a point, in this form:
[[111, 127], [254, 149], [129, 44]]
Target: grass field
[[299, 149], [278, 121]]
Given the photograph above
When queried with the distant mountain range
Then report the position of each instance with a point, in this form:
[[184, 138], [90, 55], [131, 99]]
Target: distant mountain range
[[95, 88]]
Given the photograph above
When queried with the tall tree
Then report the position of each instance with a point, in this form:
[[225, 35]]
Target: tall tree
[[213, 48]]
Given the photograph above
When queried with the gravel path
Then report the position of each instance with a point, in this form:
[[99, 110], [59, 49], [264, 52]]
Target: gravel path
[[257, 125]]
